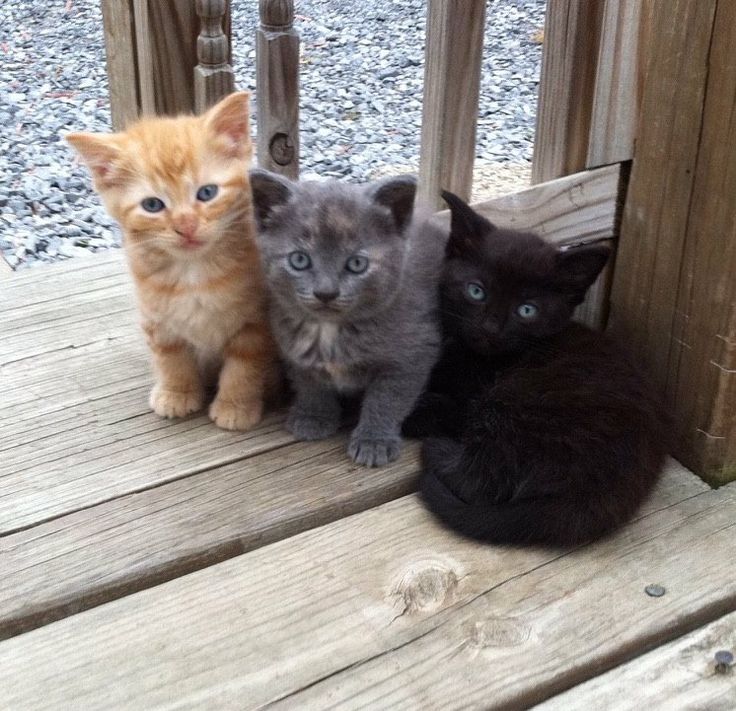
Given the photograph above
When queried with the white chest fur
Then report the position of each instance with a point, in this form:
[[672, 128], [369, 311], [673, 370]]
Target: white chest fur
[[316, 347]]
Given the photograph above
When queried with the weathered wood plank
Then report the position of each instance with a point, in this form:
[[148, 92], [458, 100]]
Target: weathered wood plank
[[277, 69], [213, 75], [678, 675], [166, 40], [701, 378], [143, 539], [453, 55], [615, 108], [649, 258], [575, 209], [566, 88], [122, 61], [364, 611]]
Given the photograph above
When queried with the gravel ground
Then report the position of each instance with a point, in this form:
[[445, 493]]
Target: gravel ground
[[361, 91]]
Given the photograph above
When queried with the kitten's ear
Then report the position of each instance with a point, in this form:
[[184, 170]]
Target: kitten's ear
[[580, 266], [270, 191], [102, 155], [229, 120], [466, 226], [397, 194]]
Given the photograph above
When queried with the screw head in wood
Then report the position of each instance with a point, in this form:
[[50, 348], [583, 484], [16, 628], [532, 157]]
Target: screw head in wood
[[654, 590], [724, 661]]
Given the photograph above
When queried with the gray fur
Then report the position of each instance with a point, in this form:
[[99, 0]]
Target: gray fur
[[379, 337]]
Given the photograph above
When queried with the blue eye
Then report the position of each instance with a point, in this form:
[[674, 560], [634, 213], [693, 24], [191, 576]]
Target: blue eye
[[300, 260], [357, 264], [206, 192], [527, 311], [152, 204], [476, 292]]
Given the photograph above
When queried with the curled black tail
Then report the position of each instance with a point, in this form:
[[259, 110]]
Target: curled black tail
[[545, 520]]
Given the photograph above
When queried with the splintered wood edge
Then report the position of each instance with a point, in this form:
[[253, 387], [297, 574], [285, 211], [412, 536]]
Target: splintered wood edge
[[576, 209]]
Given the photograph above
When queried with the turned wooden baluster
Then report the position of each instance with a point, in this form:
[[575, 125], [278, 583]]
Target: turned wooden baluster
[[213, 76], [277, 77]]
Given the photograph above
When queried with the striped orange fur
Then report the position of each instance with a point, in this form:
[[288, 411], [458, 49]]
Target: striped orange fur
[[194, 261]]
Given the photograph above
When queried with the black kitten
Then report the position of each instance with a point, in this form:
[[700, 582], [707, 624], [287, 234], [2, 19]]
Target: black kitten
[[541, 431]]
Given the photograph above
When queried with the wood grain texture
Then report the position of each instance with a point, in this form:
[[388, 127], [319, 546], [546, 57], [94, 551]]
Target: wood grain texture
[[452, 60], [702, 357], [649, 259], [142, 539], [678, 675], [366, 610], [277, 83], [567, 87], [213, 75], [122, 61], [615, 106], [166, 39]]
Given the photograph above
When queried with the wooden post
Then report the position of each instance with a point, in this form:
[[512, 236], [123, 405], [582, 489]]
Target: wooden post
[[453, 54], [674, 295], [213, 76], [277, 98], [615, 101], [122, 61], [567, 86], [167, 32]]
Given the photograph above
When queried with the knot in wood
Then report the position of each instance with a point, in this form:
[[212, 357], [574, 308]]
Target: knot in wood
[[426, 586], [281, 149], [276, 14]]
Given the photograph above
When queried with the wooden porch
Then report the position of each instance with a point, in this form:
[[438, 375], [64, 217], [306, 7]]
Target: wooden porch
[[156, 564]]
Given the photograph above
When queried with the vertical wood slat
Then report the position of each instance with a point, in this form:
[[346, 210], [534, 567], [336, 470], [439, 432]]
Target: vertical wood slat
[[277, 82], [122, 61], [213, 76], [615, 101], [674, 293], [702, 356], [567, 86], [166, 45], [453, 55]]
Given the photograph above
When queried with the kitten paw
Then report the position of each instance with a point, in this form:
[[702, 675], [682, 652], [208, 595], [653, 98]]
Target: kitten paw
[[309, 427], [235, 416], [171, 403], [374, 451]]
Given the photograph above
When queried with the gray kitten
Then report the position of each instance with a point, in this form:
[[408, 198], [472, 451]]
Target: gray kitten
[[353, 279]]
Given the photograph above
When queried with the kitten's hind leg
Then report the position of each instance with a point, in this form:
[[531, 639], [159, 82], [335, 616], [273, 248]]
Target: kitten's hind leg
[[316, 411]]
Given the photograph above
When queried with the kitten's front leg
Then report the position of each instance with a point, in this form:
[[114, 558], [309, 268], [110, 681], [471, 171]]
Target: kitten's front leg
[[248, 363], [178, 390], [388, 400], [315, 413]]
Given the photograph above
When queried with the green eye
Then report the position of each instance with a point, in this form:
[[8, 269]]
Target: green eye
[[476, 292], [527, 311], [300, 260], [152, 204], [357, 264], [206, 193]]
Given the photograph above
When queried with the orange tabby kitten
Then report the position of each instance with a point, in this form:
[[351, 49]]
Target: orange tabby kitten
[[179, 188]]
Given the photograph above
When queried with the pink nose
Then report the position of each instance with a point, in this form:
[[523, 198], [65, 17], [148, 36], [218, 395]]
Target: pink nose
[[186, 226]]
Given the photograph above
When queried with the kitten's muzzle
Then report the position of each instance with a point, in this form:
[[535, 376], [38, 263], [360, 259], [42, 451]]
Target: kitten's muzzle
[[326, 295]]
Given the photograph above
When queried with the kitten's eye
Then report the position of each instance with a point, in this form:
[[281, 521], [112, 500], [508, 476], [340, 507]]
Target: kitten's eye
[[206, 192], [300, 260], [527, 311], [357, 264], [152, 204], [476, 292]]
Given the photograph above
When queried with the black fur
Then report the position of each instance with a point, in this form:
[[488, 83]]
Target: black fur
[[539, 431]]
